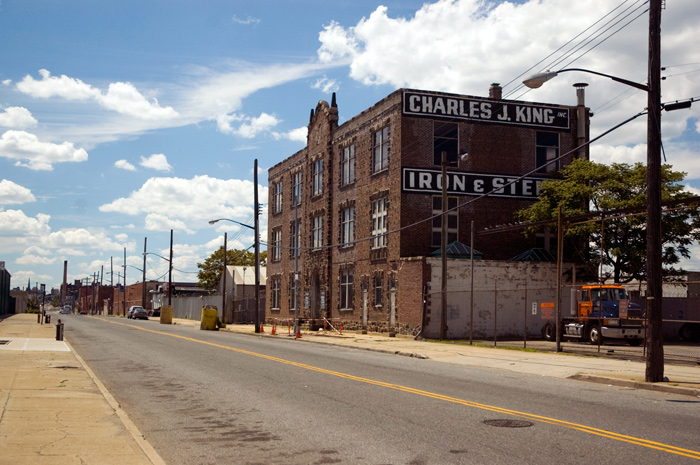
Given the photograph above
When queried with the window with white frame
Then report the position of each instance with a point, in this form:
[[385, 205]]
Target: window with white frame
[[317, 232], [296, 189], [347, 168], [277, 197], [347, 227], [318, 178], [295, 235], [380, 150], [276, 245], [452, 221], [346, 289], [275, 295], [379, 223]]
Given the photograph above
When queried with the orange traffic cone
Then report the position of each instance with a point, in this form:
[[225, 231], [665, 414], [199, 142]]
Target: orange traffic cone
[[262, 327]]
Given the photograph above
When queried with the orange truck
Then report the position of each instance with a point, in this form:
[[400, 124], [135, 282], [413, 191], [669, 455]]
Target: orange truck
[[597, 312]]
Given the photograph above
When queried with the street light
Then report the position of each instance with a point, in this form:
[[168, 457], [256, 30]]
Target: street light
[[257, 267], [655, 350]]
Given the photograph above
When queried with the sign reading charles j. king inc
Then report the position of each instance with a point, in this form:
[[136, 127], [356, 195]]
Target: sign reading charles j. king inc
[[455, 107], [424, 181]]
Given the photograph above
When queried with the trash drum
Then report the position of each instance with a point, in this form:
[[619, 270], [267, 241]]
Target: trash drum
[[209, 316], [166, 315]]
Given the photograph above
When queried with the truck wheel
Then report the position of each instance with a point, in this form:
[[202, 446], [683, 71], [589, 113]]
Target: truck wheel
[[549, 333], [594, 335], [689, 333], [634, 342]]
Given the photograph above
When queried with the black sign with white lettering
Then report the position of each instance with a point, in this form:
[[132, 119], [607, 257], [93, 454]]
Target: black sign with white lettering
[[460, 183], [483, 110]]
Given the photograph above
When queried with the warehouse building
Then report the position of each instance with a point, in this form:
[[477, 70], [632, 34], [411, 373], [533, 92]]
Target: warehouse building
[[355, 213]]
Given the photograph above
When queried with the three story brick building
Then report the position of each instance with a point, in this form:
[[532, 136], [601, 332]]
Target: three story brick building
[[355, 210]]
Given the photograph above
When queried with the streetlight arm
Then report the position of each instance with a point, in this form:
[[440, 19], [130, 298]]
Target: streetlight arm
[[536, 80], [232, 221], [151, 253]]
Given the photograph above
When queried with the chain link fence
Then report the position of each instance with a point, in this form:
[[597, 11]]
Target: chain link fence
[[513, 315]]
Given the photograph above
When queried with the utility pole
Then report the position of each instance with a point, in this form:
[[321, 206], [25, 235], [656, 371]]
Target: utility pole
[[443, 250], [124, 275], [143, 281], [170, 271], [654, 342], [257, 248], [223, 291]]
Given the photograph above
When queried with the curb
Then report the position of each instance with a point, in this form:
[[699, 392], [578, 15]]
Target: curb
[[658, 387]]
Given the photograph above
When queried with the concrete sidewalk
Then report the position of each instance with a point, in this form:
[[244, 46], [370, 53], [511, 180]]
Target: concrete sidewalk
[[682, 379], [52, 410]]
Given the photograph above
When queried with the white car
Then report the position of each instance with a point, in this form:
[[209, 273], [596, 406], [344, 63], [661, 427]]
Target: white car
[[66, 310]]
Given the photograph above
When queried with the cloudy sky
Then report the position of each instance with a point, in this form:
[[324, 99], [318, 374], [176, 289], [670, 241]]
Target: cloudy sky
[[120, 121]]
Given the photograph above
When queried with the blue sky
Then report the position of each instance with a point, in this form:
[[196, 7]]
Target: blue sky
[[123, 120]]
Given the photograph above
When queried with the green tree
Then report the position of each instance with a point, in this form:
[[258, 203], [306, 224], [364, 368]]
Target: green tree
[[587, 186], [210, 271]]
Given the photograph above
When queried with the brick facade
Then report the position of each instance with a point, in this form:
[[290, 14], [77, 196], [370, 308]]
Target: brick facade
[[362, 230]]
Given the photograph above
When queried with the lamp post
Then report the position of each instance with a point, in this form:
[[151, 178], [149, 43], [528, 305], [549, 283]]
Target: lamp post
[[257, 263], [654, 268]]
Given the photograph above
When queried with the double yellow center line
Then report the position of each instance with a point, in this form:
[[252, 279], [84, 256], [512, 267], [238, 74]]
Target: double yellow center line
[[552, 421]]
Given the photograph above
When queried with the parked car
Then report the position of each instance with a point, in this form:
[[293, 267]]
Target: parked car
[[66, 310], [137, 312]]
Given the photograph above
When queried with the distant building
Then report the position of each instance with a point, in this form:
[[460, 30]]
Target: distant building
[[240, 293], [356, 211], [6, 301]]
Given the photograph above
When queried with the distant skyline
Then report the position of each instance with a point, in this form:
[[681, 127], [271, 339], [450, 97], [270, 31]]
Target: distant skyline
[[120, 121]]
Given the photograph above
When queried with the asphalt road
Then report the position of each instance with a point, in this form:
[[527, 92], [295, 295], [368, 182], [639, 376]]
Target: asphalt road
[[217, 398]]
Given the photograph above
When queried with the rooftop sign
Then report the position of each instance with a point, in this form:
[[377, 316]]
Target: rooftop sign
[[455, 108]]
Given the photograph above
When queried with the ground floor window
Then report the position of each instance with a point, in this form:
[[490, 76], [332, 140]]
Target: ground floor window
[[275, 295], [346, 289]]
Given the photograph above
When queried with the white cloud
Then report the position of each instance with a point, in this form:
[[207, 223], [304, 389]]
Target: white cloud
[[6, 82], [21, 145], [463, 46], [11, 193], [121, 97], [80, 238], [17, 117], [157, 161], [193, 200], [158, 222], [297, 135], [326, 85], [251, 126], [18, 230], [35, 260], [124, 165], [248, 20], [69, 251]]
